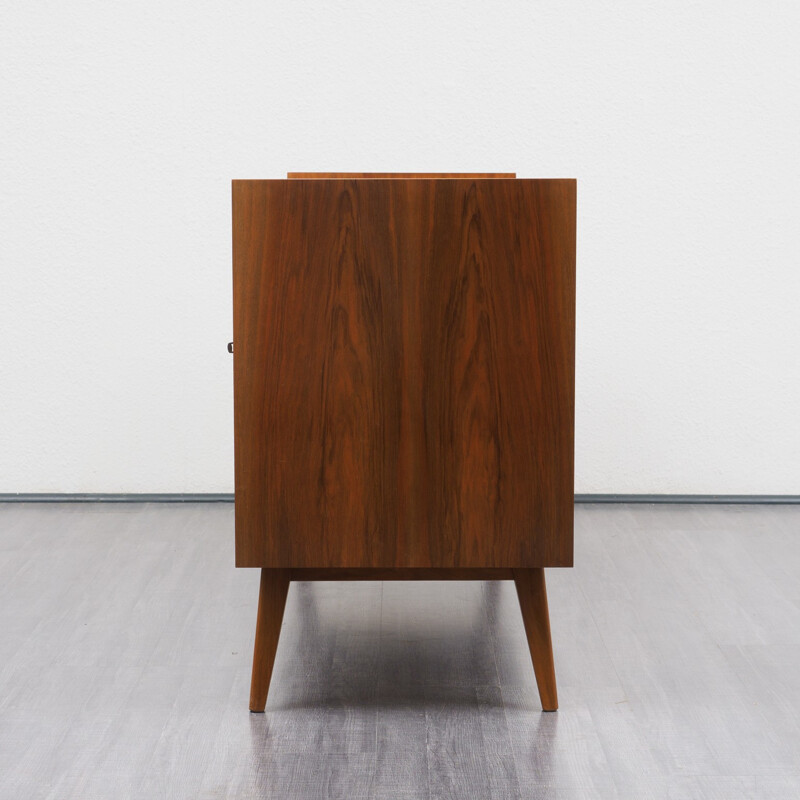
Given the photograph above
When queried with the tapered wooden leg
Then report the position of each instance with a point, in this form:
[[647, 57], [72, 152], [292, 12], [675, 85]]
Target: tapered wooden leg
[[271, 603], [533, 602]]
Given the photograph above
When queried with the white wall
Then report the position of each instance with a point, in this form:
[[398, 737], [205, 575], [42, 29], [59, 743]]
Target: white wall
[[121, 126]]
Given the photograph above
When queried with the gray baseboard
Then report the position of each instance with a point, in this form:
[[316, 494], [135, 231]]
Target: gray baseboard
[[223, 497], [720, 499], [121, 497]]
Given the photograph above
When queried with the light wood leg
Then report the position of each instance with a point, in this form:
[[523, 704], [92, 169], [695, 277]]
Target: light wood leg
[[532, 595], [271, 603]]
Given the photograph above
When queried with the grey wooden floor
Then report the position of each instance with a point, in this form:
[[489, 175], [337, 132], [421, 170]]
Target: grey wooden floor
[[126, 645]]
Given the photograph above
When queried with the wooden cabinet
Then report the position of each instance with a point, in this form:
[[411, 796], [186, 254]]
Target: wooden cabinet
[[403, 385]]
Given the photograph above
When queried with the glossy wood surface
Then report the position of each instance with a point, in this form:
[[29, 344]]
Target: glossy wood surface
[[404, 372]]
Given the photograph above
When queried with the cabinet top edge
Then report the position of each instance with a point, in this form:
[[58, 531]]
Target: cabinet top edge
[[250, 181], [321, 176]]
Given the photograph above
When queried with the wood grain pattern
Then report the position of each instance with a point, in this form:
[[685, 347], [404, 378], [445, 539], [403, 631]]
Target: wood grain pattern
[[316, 368], [404, 372]]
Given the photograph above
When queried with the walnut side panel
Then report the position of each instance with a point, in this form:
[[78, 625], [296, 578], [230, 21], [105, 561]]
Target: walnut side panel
[[404, 373], [316, 376], [496, 312]]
